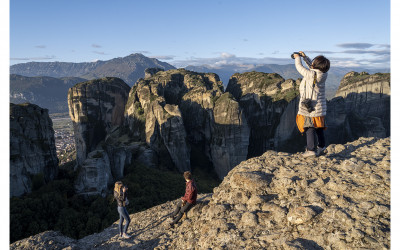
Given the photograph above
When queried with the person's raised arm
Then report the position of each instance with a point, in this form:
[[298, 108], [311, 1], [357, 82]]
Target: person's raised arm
[[300, 68]]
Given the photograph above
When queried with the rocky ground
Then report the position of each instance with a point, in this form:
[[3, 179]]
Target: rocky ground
[[276, 201]]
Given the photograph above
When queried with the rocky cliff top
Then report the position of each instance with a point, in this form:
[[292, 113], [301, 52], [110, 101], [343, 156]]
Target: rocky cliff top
[[355, 82], [279, 200], [262, 84]]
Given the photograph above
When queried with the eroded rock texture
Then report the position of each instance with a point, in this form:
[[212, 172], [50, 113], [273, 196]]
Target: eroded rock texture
[[96, 108], [173, 112], [361, 108], [276, 201], [32, 147], [264, 99]]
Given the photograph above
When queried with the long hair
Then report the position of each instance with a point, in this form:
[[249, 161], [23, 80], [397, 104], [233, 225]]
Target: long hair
[[118, 186]]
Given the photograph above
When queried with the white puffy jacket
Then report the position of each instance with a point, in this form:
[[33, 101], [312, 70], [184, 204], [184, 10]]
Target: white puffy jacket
[[318, 96]]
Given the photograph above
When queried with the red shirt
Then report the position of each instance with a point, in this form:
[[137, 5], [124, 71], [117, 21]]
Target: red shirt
[[190, 193]]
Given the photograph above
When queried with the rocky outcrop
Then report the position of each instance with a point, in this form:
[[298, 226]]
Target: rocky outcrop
[[165, 133], [149, 72], [264, 99], [276, 201], [32, 147], [172, 112], [95, 107], [94, 174], [230, 137], [361, 108]]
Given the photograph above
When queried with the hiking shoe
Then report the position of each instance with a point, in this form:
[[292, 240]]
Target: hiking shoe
[[125, 236], [321, 151], [308, 154]]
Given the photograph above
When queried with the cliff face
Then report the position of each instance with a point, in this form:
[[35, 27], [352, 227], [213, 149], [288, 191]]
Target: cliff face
[[264, 98], [32, 147], [230, 138], [275, 201], [361, 107], [175, 110], [95, 107]]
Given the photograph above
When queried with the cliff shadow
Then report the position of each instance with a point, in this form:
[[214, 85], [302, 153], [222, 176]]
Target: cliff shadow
[[357, 115], [263, 115]]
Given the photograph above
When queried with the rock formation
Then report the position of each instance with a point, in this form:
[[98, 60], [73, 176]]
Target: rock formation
[[361, 108], [276, 201], [230, 137], [32, 147], [95, 107], [94, 174], [174, 108], [177, 117], [264, 98]]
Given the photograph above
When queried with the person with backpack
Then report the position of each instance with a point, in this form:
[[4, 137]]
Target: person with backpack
[[187, 201], [312, 107], [120, 194]]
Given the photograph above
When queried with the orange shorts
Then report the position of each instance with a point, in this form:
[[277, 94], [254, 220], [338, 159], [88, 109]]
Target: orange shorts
[[319, 122]]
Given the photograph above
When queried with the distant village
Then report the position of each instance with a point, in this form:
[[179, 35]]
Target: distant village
[[65, 144]]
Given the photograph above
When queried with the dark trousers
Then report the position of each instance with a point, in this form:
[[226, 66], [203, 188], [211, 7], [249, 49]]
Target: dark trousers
[[123, 214], [310, 132], [180, 210]]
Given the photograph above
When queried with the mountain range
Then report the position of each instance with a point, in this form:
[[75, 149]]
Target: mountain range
[[129, 68], [46, 83], [45, 91]]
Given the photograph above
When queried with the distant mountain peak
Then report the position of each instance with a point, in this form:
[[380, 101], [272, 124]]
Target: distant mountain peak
[[129, 68]]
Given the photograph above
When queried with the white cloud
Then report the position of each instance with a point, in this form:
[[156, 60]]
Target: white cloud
[[99, 52], [227, 58], [96, 45], [227, 55], [142, 52], [163, 57], [40, 46], [39, 58]]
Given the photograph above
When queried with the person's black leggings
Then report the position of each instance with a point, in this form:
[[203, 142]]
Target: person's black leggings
[[181, 210], [310, 132]]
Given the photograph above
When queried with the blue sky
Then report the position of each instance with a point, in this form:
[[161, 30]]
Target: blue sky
[[350, 33]]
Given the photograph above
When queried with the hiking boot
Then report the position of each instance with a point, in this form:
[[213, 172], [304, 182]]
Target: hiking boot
[[308, 154], [321, 151], [126, 236]]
